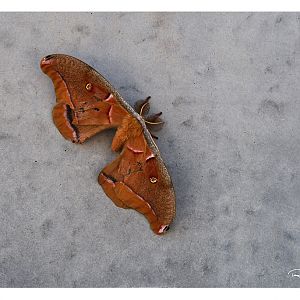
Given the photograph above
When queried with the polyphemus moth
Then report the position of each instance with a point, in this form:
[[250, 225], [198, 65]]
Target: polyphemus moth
[[86, 104]]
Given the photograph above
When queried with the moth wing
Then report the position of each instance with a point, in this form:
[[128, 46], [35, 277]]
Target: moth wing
[[83, 98], [138, 179]]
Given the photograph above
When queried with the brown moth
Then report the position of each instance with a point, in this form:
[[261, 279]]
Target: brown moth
[[86, 104]]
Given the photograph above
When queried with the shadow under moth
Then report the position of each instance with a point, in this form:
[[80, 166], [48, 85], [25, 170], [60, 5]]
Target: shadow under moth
[[86, 103]]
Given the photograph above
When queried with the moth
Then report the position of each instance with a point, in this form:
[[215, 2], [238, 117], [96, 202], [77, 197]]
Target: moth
[[86, 104]]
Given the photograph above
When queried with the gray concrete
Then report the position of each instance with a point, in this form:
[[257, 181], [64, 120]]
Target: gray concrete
[[228, 85]]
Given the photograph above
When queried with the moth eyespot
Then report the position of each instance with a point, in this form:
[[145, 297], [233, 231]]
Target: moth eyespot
[[153, 179], [166, 228], [88, 86]]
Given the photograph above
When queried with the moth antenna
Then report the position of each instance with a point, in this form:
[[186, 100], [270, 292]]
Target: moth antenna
[[144, 106], [154, 123], [154, 118]]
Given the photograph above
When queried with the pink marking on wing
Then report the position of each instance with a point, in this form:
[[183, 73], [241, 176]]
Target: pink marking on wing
[[134, 150], [109, 98], [110, 181], [151, 155], [110, 114], [163, 228]]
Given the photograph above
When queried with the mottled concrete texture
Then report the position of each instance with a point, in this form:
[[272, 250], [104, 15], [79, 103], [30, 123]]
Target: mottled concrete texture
[[228, 84]]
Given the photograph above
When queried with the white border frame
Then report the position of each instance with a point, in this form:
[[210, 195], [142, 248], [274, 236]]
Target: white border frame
[[151, 5]]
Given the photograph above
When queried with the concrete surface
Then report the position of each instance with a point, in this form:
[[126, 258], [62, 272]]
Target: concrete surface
[[228, 85]]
